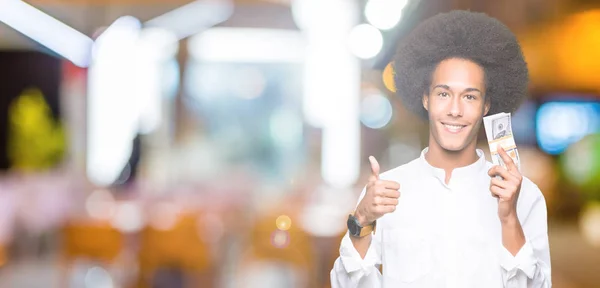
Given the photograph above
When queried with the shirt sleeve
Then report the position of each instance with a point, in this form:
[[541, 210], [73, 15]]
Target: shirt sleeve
[[530, 267], [350, 270]]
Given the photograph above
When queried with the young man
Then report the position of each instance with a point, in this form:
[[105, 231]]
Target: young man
[[445, 219]]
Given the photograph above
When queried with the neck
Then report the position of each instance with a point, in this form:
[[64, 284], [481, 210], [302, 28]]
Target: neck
[[449, 160]]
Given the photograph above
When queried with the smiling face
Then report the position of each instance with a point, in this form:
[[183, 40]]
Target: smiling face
[[456, 104]]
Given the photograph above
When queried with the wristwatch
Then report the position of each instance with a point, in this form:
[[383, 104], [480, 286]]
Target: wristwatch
[[356, 230]]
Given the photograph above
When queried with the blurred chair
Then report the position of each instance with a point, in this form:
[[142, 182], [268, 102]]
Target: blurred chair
[[94, 241], [275, 252], [175, 252], [3, 255]]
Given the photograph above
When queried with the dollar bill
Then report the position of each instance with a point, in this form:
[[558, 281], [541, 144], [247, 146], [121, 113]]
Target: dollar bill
[[498, 129], [501, 127]]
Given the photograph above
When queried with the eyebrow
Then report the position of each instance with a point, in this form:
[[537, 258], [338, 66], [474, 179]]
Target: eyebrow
[[448, 88]]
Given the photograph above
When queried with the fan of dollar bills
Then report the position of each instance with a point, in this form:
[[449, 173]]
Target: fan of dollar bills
[[499, 132]]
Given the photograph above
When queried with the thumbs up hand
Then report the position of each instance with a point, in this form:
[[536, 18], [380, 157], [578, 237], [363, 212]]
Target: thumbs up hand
[[381, 197]]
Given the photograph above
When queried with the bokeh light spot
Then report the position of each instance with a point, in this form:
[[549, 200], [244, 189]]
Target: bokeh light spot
[[280, 239], [388, 77], [283, 222]]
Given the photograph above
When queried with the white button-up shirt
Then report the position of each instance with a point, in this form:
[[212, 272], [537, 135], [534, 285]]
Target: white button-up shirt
[[448, 235]]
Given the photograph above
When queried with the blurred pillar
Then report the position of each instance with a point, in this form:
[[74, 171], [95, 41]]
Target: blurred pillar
[[73, 104], [332, 85], [182, 118]]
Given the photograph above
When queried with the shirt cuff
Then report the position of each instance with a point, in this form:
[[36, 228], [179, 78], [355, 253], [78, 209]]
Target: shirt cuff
[[353, 262], [524, 260]]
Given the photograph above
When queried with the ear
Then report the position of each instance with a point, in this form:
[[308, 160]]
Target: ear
[[426, 102]]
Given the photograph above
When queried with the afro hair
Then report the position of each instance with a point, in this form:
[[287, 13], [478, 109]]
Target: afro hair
[[466, 35]]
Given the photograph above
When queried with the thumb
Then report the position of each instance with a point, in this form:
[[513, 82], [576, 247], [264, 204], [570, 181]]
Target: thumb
[[374, 167]]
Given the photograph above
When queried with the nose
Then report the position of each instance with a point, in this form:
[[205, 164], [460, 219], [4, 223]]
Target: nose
[[455, 109]]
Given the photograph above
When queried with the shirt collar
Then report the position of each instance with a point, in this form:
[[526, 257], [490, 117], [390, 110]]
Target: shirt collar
[[457, 173]]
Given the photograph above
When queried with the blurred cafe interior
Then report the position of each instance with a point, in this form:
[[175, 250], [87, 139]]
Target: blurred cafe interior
[[222, 143]]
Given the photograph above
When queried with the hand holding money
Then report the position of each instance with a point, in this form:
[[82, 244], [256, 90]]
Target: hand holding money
[[506, 175], [506, 187]]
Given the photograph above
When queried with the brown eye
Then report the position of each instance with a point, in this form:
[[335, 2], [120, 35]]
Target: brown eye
[[443, 94], [470, 97]]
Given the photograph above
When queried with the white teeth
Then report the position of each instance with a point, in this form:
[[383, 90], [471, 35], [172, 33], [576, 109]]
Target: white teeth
[[454, 128]]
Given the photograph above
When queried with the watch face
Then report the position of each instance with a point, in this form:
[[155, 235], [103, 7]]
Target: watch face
[[353, 226]]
